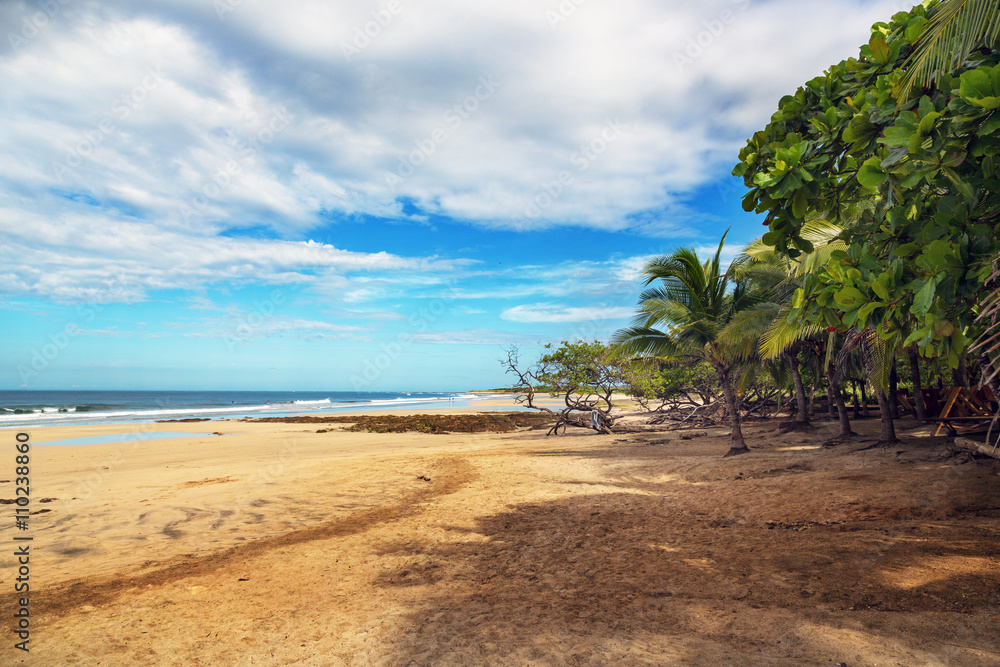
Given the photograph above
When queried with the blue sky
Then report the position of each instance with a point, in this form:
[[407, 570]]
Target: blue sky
[[326, 195]]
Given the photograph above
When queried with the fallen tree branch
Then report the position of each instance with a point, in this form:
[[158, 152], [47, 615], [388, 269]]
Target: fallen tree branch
[[977, 447]]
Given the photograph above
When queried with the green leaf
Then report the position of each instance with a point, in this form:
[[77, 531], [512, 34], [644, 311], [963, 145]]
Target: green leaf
[[871, 175], [943, 328], [978, 87], [880, 290], [849, 298], [922, 299], [860, 129], [975, 83], [866, 310], [991, 125], [936, 255], [800, 203], [961, 185], [831, 116], [897, 136], [919, 334], [914, 29], [958, 340], [927, 123], [804, 245], [879, 49], [926, 106]]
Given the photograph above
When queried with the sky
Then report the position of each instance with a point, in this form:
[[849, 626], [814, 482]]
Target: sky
[[368, 196]]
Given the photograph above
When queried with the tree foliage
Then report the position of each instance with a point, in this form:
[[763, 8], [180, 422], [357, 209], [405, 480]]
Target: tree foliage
[[692, 308], [915, 183], [685, 381], [583, 374]]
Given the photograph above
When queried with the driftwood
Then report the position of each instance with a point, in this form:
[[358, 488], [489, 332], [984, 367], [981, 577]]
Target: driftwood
[[977, 447], [588, 409]]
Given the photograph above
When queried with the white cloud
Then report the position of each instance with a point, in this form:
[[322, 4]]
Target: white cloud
[[136, 135], [543, 312], [726, 257], [599, 98], [85, 259], [472, 337], [244, 325]]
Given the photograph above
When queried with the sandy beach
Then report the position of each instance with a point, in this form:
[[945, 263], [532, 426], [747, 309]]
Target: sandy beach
[[272, 544]]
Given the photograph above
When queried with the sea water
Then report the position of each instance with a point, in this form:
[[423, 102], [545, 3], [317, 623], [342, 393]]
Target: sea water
[[22, 409]]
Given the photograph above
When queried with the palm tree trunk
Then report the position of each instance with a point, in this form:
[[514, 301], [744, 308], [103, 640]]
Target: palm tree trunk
[[893, 388], [960, 376], [854, 399], [918, 392], [737, 446], [802, 416], [838, 396], [864, 401], [887, 431], [893, 396], [986, 369]]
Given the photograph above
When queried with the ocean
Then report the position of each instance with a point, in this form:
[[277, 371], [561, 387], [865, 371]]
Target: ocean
[[24, 409]]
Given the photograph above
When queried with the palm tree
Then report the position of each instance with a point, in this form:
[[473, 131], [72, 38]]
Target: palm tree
[[954, 30], [778, 337], [988, 344], [686, 313]]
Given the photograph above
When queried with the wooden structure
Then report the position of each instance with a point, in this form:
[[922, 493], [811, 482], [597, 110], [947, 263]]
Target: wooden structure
[[963, 410]]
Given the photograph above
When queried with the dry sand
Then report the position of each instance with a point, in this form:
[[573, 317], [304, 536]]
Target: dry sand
[[276, 545]]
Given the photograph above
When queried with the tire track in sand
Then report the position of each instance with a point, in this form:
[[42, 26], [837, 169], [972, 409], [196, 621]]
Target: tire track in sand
[[449, 476]]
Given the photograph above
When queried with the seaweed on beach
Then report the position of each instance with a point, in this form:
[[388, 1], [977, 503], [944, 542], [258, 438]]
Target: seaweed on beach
[[483, 422]]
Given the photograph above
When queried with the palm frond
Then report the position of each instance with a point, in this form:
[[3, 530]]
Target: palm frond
[[876, 352], [782, 334], [953, 31], [642, 342], [741, 336], [989, 314]]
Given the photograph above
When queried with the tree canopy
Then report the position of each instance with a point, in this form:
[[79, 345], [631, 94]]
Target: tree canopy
[[914, 181]]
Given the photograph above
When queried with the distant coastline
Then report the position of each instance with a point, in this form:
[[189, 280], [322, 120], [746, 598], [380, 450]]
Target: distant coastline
[[37, 408]]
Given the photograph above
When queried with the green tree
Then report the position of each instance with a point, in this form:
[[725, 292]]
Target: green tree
[[686, 312], [787, 337], [584, 374], [674, 383], [951, 34], [913, 179]]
